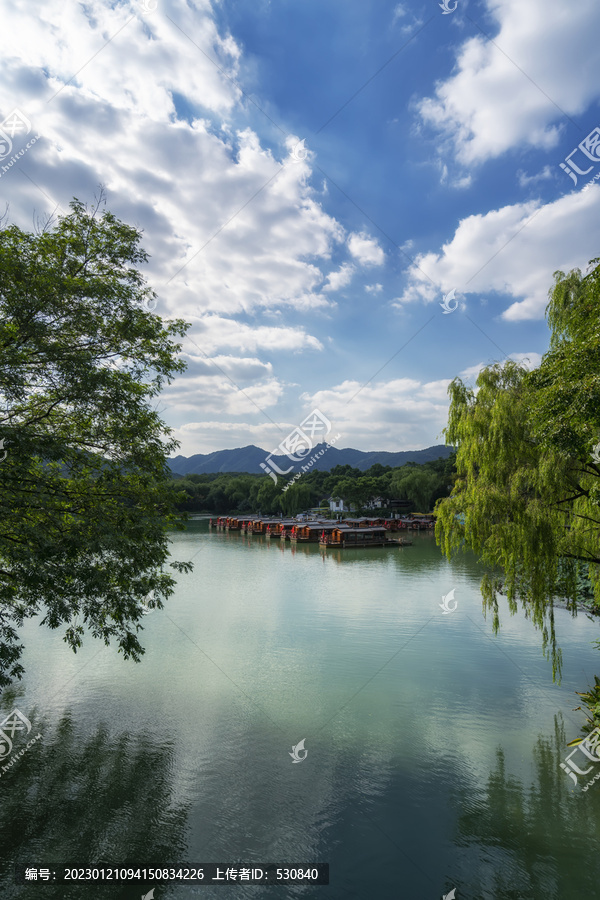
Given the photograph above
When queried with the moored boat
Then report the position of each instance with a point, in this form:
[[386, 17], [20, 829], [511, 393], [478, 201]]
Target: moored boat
[[365, 536]]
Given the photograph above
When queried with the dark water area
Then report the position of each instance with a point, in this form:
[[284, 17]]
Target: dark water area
[[433, 746]]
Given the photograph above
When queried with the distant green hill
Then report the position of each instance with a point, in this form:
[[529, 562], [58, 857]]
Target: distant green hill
[[248, 459]]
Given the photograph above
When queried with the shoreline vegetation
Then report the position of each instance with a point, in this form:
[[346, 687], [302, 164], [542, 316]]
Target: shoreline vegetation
[[526, 497], [225, 493]]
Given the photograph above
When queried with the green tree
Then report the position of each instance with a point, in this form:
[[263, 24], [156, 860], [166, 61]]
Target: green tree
[[527, 493], [86, 499], [416, 483], [295, 499], [217, 501], [268, 497]]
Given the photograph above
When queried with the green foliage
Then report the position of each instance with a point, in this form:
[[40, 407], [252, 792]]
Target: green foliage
[[417, 484], [591, 702], [221, 493], [296, 499], [86, 498], [527, 492]]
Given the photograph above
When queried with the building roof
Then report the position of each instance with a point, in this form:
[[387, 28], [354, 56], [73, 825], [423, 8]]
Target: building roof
[[326, 526], [372, 528]]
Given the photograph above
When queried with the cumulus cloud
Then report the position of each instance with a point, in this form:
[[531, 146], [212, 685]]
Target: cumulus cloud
[[365, 249], [240, 369], [514, 251], [341, 278], [217, 394], [153, 116], [212, 332], [400, 414], [545, 53]]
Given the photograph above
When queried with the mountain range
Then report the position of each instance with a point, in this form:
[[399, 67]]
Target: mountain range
[[248, 459]]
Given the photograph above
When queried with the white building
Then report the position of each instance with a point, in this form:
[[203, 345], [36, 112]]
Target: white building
[[338, 504]]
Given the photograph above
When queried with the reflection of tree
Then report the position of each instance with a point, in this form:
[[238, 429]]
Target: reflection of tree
[[80, 799], [541, 842]]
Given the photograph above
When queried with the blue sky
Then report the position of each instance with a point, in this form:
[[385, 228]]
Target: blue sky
[[313, 273]]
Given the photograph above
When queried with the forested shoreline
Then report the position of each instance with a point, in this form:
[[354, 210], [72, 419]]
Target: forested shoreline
[[420, 484]]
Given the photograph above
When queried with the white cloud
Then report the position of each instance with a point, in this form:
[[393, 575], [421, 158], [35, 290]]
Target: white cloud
[[217, 394], [241, 222], [209, 435], [542, 63], [513, 250], [400, 414], [399, 12], [373, 288], [365, 249], [530, 360], [240, 369], [341, 278], [211, 332], [525, 180]]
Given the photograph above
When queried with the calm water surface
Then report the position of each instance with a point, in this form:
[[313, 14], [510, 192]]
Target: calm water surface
[[433, 746]]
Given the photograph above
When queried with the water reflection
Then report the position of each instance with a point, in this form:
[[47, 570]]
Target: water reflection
[[511, 832], [79, 798]]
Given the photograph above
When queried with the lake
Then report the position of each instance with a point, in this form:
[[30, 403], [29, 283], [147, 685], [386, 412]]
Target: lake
[[432, 747]]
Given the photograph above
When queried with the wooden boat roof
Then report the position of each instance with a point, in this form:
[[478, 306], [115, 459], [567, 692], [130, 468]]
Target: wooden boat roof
[[324, 526], [377, 528]]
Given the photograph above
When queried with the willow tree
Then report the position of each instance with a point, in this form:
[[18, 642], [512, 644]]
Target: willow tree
[[85, 502], [527, 493]]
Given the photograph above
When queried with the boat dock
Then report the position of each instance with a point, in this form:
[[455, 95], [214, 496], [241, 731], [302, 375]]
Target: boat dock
[[348, 533], [356, 538]]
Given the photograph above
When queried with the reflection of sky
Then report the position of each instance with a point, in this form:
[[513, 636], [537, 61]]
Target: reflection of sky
[[260, 648]]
